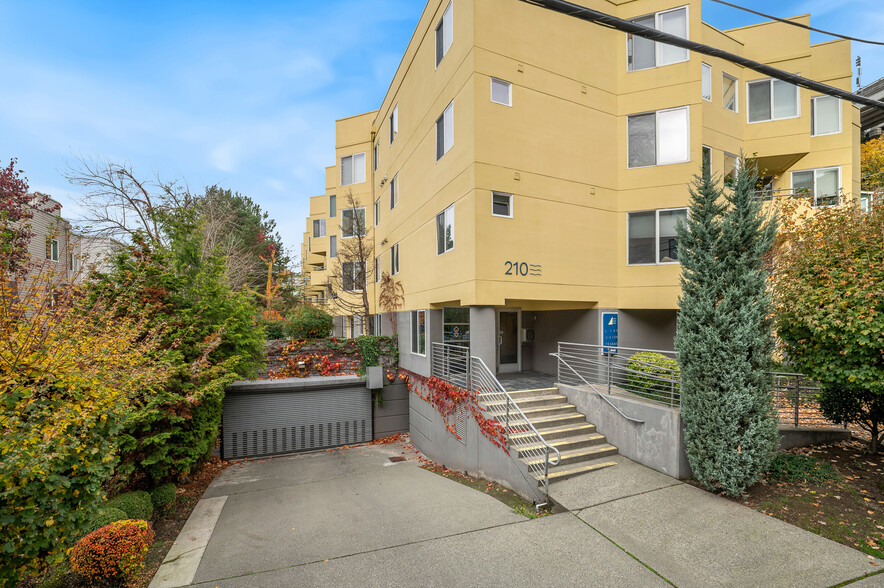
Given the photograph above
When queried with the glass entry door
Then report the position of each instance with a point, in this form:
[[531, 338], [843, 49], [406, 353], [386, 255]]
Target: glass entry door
[[508, 341]]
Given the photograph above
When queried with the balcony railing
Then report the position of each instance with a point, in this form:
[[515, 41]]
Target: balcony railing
[[818, 201]]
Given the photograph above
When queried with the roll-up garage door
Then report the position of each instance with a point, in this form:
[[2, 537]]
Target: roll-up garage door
[[258, 423]]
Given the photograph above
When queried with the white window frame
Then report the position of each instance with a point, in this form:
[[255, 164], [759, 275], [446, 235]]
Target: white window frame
[[319, 227], [447, 114], [377, 323], [415, 347], [332, 206], [724, 169], [51, 249], [447, 19], [394, 191], [815, 195], [772, 117], [443, 214], [814, 110], [703, 149], [333, 246], [354, 274], [353, 168], [736, 92], [687, 110], [657, 212], [394, 123], [657, 44], [508, 195], [377, 211], [509, 87], [394, 259], [352, 211], [705, 80]]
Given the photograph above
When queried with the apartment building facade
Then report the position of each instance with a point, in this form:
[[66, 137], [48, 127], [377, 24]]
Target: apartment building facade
[[525, 172]]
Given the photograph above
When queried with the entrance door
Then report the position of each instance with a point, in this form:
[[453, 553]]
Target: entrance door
[[507, 341]]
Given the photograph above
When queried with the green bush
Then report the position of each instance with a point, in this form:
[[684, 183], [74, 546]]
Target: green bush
[[857, 406], [274, 329], [788, 467], [105, 515], [163, 495], [136, 505], [112, 553], [309, 322], [652, 366]]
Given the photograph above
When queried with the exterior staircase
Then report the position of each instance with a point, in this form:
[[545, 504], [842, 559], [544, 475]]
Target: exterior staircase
[[582, 448]]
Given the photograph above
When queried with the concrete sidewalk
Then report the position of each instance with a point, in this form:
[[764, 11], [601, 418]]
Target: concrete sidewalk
[[355, 517]]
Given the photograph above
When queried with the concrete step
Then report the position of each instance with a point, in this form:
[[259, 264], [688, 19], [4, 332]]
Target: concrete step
[[552, 409], [555, 420], [526, 402], [522, 393], [548, 433], [557, 474], [567, 443], [578, 455]]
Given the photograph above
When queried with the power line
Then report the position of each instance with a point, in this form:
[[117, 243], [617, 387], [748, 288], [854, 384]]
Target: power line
[[798, 24], [619, 24]]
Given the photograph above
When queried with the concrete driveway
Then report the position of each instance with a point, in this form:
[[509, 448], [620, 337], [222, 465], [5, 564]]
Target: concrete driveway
[[355, 517]]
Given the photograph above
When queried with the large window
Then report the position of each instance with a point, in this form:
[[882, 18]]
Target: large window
[[445, 132], [353, 169], [419, 332], [772, 100], [353, 275], [332, 206], [658, 138], [394, 123], [825, 115], [501, 92], [456, 325], [319, 228], [652, 236], [729, 92], [394, 191], [445, 230], [707, 82], [643, 53], [353, 222], [394, 259], [444, 33], [823, 185]]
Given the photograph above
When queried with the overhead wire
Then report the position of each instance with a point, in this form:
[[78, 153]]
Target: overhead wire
[[601, 18]]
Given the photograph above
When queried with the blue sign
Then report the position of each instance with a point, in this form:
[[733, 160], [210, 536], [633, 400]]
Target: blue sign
[[609, 332]]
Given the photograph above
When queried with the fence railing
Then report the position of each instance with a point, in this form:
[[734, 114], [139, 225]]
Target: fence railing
[[796, 401], [818, 200], [521, 435], [451, 363], [615, 369]]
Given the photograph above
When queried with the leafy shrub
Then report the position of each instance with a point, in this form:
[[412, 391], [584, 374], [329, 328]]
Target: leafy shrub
[[163, 495], [105, 516], [858, 406], [136, 505], [309, 322], [113, 552], [788, 467], [652, 366], [274, 329]]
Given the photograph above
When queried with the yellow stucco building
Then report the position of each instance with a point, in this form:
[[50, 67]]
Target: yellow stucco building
[[525, 170]]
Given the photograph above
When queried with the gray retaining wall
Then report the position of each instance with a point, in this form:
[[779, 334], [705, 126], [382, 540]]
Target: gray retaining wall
[[392, 417]]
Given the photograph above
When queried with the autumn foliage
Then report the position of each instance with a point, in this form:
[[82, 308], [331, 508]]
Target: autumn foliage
[[115, 551]]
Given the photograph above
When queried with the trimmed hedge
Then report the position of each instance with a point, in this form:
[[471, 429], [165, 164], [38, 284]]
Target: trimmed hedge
[[105, 515], [308, 322], [136, 505], [652, 366], [113, 552], [163, 495]]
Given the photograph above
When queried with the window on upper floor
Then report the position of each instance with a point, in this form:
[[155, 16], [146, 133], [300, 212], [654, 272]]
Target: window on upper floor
[[445, 132], [707, 82], [377, 269], [731, 163], [353, 169], [353, 275], [643, 53], [394, 191], [309, 244], [319, 228], [445, 230], [823, 185], [353, 222], [419, 332], [375, 157], [51, 249], [707, 162], [729, 92], [658, 138], [652, 236], [501, 92], [772, 100], [332, 206], [394, 123], [73, 262], [444, 33], [502, 204], [377, 211], [394, 259], [333, 246], [825, 116]]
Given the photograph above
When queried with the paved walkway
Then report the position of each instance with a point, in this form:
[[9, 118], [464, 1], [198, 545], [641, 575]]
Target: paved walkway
[[526, 381], [355, 517]]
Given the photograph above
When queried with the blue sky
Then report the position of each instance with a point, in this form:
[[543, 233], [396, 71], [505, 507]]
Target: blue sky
[[240, 94]]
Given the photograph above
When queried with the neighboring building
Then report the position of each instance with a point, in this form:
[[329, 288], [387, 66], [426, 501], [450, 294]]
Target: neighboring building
[[52, 246], [92, 253], [526, 170], [872, 119]]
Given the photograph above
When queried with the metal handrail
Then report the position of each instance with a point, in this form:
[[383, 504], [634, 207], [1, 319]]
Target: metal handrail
[[489, 385], [593, 388]]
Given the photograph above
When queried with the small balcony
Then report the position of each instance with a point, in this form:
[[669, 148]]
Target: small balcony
[[818, 201]]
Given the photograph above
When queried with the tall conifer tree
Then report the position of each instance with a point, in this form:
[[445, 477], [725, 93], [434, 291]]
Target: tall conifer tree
[[724, 335]]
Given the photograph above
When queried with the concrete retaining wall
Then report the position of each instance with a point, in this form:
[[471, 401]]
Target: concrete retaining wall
[[475, 454], [802, 437], [657, 443], [392, 417]]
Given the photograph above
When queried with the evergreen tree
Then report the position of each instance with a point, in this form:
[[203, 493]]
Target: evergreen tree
[[724, 337]]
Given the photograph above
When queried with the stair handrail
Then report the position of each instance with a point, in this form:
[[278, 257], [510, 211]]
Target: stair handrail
[[479, 371], [593, 388]]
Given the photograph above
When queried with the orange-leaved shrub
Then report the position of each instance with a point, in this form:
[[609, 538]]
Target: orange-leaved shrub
[[115, 551]]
